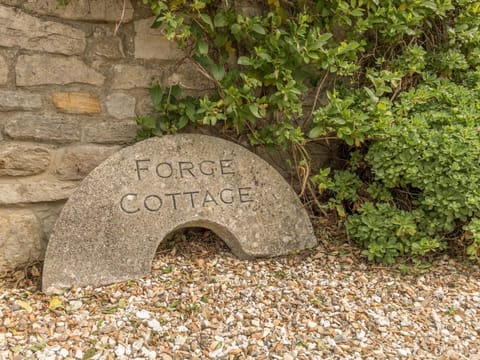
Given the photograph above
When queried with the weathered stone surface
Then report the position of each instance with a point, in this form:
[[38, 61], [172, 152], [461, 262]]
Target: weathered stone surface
[[3, 71], [11, 2], [47, 69], [189, 77], [93, 10], [17, 159], [47, 214], [78, 161], [111, 227], [20, 238], [18, 29], [40, 191], [151, 44], [11, 100], [76, 103], [27, 126], [120, 106], [127, 77], [111, 132], [107, 46]]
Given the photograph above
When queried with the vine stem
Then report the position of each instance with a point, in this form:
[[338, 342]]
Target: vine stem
[[317, 93], [205, 73], [122, 18]]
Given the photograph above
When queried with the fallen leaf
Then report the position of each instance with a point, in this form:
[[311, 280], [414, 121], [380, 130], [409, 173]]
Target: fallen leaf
[[55, 303], [24, 305]]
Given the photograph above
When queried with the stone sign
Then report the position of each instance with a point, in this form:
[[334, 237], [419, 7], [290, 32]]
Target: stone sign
[[112, 225]]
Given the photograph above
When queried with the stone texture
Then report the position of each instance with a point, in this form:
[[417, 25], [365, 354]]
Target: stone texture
[[18, 29], [40, 191], [47, 214], [120, 106], [26, 126], [78, 161], [11, 100], [151, 44], [46, 69], [127, 77], [17, 159], [11, 2], [111, 132], [3, 71], [111, 227], [76, 103], [189, 77], [90, 10], [20, 238], [107, 46]]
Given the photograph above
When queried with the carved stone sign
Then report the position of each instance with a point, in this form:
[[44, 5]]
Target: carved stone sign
[[112, 225]]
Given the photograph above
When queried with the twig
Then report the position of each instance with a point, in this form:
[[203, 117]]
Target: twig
[[205, 73], [122, 18], [317, 93]]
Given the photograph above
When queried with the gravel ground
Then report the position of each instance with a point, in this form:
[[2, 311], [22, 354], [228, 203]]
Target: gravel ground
[[200, 302]]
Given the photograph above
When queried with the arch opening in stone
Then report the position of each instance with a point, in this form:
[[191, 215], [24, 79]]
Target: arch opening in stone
[[204, 229], [193, 242]]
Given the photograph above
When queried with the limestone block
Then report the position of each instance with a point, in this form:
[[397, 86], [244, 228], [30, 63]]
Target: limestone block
[[90, 10], [107, 46], [48, 214], [3, 71], [151, 44], [110, 229], [20, 238], [18, 29], [18, 159], [111, 132], [12, 100], [76, 103], [189, 77], [77, 161], [27, 126], [134, 76], [11, 2], [39, 191], [46, 69], [120, 106]]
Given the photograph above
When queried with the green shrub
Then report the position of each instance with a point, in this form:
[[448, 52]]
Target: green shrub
[[401, 79]]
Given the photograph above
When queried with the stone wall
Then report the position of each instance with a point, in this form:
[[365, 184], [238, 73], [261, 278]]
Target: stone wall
[[70, 86]]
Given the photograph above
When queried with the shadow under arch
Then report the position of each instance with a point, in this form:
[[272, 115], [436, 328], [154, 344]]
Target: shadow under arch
[[219, 231]]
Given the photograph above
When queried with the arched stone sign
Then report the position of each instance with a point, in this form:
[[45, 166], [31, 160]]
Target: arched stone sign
[[111, 226]]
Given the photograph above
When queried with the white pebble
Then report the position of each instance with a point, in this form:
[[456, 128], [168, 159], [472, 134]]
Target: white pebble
[[63, 353], [150, 354], [137, 345], [75, 304], [311, 324], [382, 321], [142, 314], [180, 340], [325, 323], [404, 352], [154, 325], [120, 350]]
